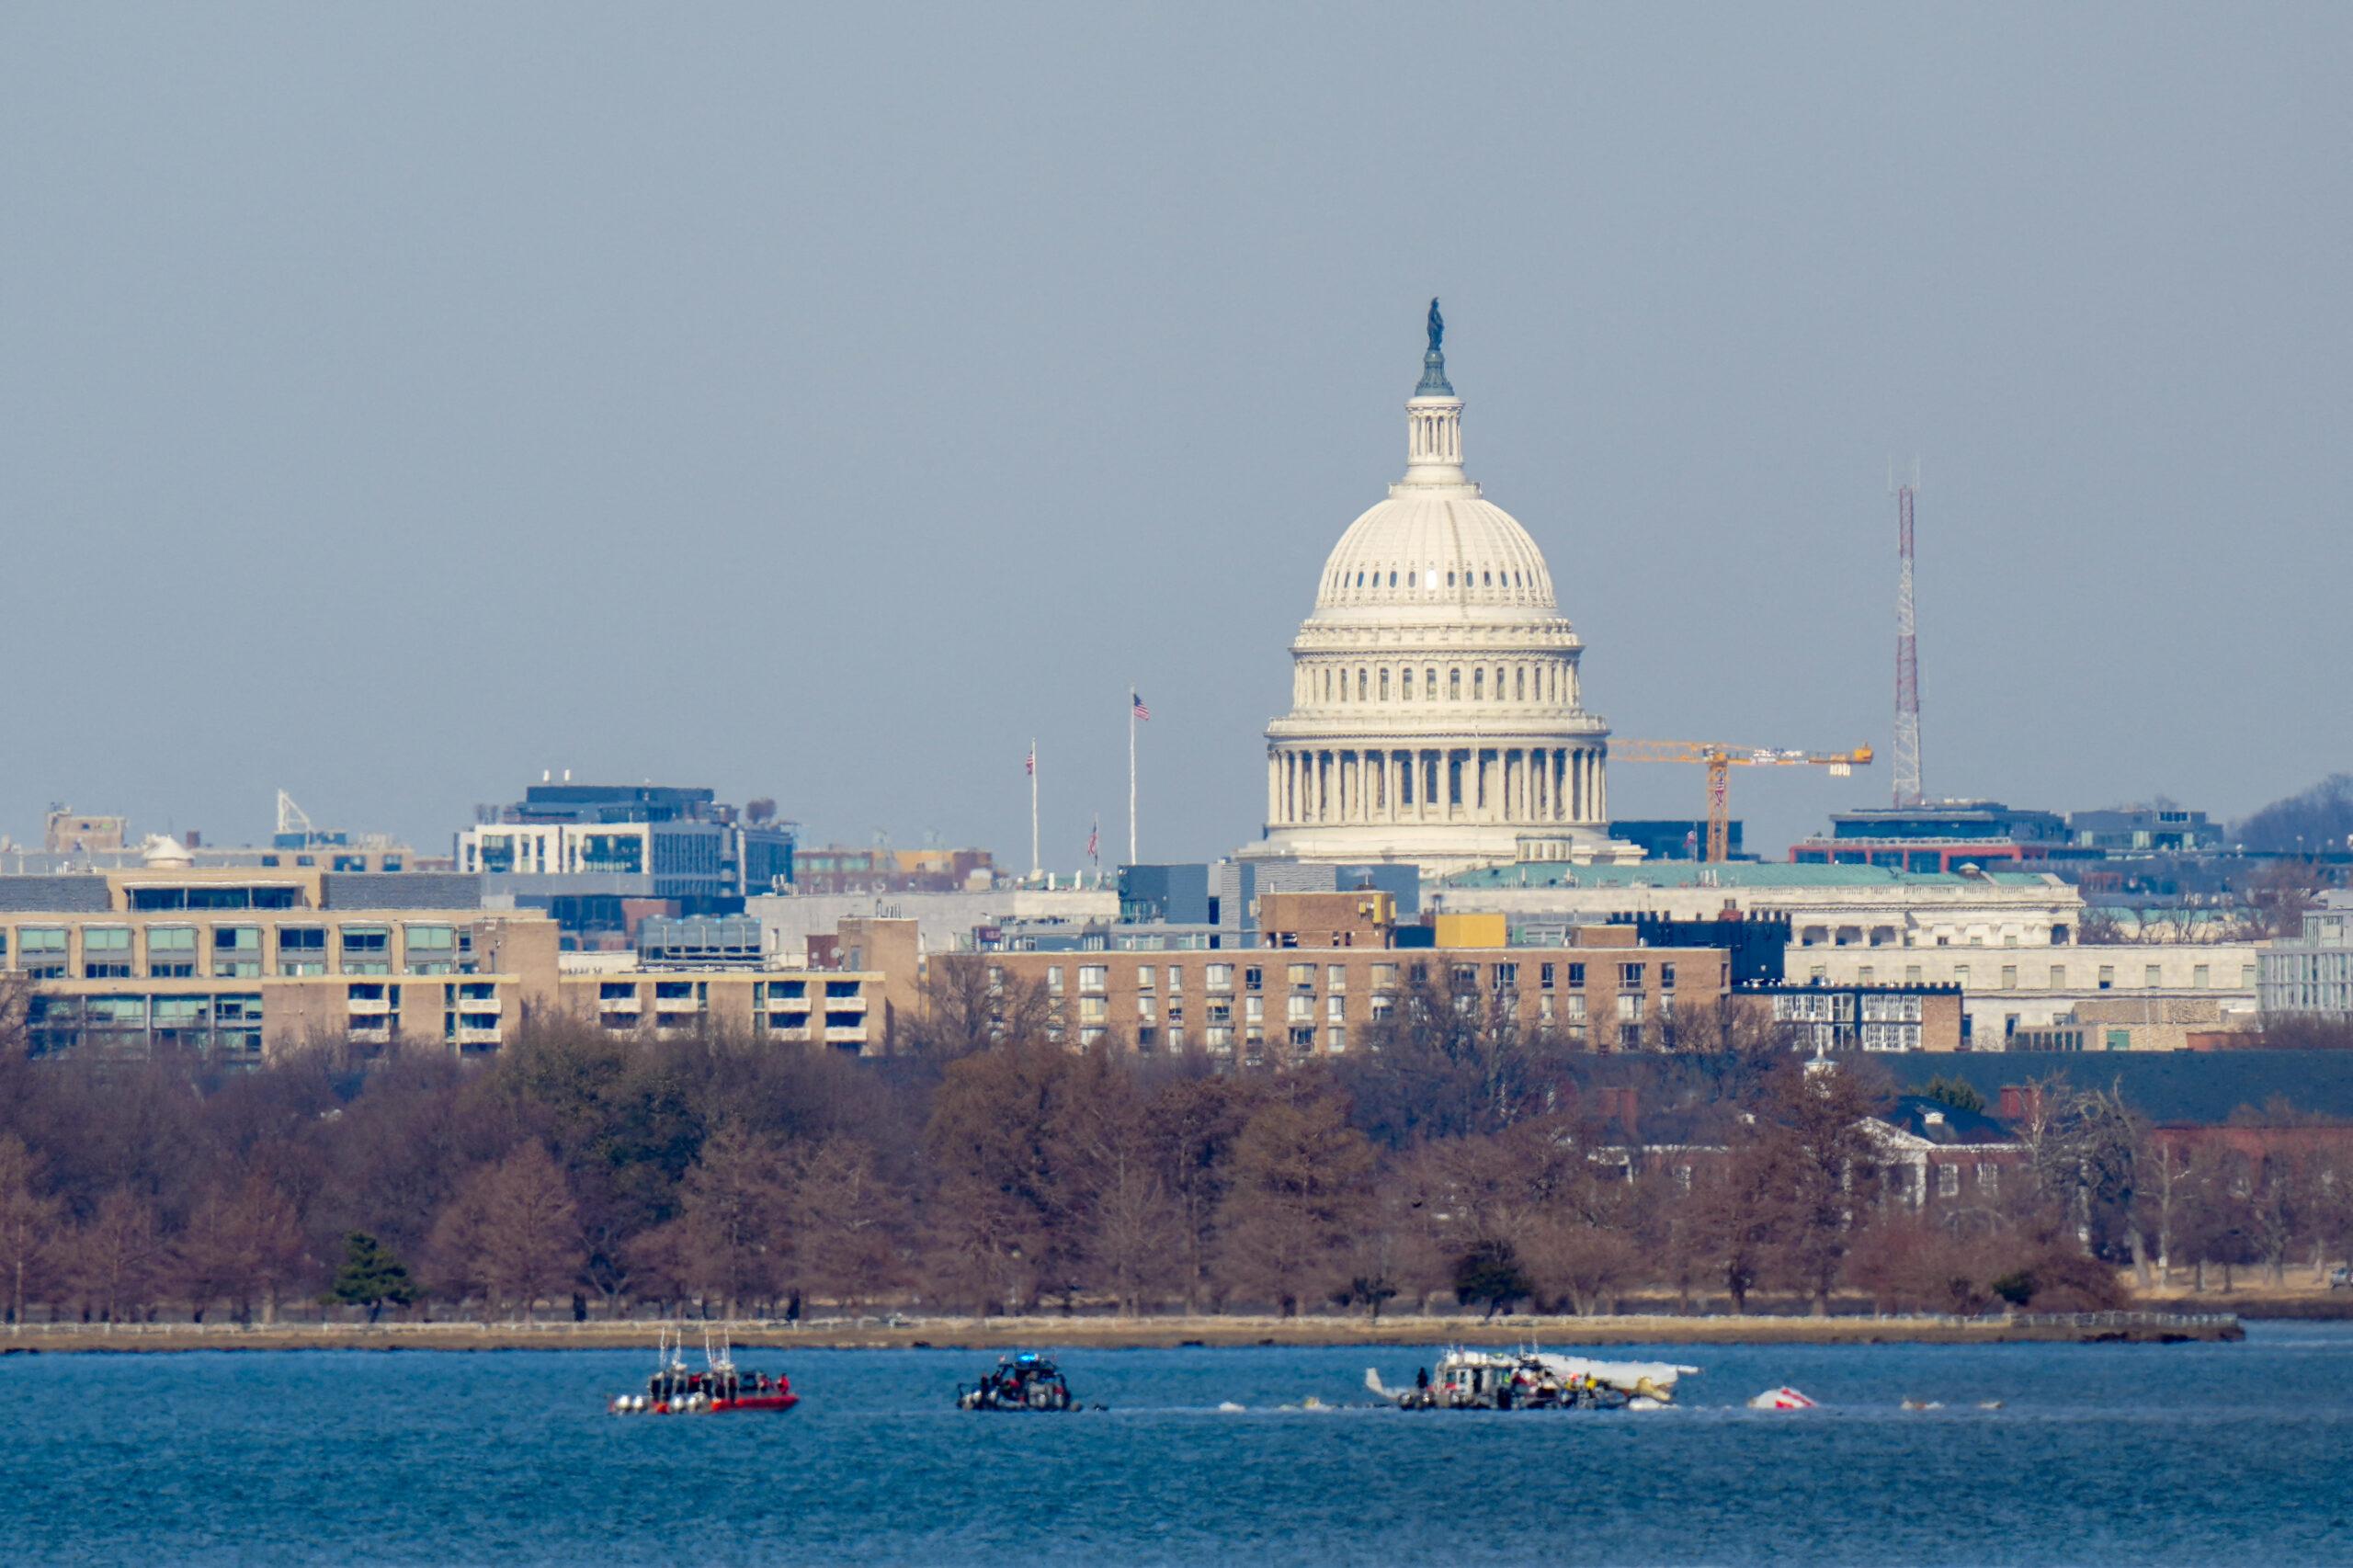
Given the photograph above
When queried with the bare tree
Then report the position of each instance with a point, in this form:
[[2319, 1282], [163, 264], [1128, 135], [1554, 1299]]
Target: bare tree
[[847, 1221], [733, 1225], [1301, 1173], [119, 1255], [512, 1232], [966, 1010], [28, 1223]]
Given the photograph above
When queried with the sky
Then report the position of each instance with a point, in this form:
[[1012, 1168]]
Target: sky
[[821, 402]]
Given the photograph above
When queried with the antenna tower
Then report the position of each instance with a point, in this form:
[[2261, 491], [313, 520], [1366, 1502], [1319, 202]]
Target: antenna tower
[[1907, 656]]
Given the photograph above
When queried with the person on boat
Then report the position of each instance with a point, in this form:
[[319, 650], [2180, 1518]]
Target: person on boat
[[1421, 1379]]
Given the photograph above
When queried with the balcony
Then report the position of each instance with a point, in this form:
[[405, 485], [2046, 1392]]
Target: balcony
[[479, 1036], [845, 1034], [364, 1007], [620, 1004], [846, 1003]]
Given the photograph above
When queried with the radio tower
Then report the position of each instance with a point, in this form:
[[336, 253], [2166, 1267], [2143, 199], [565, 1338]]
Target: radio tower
[[1907, 656]]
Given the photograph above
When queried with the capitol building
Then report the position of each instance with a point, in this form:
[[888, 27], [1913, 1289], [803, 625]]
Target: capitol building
[[1436, 713]]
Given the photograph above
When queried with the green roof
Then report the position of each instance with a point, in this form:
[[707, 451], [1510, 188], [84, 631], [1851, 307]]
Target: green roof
[[1730, 874]]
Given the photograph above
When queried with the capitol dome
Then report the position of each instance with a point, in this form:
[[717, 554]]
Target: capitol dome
[[1436, 713], [1435, 556]]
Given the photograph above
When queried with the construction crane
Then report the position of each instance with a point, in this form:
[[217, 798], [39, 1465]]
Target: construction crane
[[1720, 760]]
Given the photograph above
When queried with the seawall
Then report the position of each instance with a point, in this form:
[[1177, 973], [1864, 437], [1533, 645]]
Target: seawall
[[1112, 1332]]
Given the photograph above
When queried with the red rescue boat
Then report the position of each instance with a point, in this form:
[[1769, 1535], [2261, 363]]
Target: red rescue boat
[[676, 1389]]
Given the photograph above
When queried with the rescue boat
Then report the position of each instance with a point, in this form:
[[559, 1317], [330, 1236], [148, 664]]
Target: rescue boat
[[720, 1389]]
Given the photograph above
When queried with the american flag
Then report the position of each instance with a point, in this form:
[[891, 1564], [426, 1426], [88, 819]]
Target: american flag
[[1094, 838], [1031, 767], [1140, 710]]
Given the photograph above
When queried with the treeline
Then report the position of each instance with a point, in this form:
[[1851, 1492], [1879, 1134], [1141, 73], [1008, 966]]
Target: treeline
[[1447, 1158]]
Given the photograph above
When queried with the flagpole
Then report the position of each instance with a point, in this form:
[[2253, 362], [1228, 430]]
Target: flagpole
[[1033, 808], [1132, 775]]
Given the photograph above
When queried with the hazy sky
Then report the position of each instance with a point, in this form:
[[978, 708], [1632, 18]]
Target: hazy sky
[[818, 402]]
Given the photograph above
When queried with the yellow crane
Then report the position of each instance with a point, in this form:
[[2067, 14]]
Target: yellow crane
[[1720, 760]]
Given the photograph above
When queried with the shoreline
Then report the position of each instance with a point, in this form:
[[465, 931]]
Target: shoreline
[[1139, 1334]]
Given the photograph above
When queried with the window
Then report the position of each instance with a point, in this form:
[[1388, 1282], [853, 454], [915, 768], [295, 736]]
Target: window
[[1302, 976], [1336, 1008], [1573, 1010], [2009, 977], [1253, 1009], [171, 952], [1544, 977], [106, 952], [2058, 977], [1429, 683], [1630, 1007], [1144, 977], [1336, 978], [1221, 976], [1093, 978], [366, 938], [1947, 1181], [2153, 976], [2200, 976], [2107, 976], [1253, 978], [1631, 975], [1148, 1009], [1385, 682], [1666, 976], [1454, 686], [1175, 978], [2119, 1039], [432, 949], [1053, 980], [1478, 685], [301, 939]]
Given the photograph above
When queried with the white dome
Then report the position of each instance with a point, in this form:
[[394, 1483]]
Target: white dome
[[1436, 713], [1436, 552]]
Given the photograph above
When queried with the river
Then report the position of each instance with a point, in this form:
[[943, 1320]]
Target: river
[[2202, 1453]]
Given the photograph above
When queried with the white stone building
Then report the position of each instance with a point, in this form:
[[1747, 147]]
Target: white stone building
[[2311, 972], [1436, 715], [1862, 909]]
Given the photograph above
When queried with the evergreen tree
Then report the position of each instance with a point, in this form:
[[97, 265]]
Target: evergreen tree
[[371, 1277]]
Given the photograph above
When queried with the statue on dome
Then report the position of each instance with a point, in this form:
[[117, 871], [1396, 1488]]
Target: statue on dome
[[1437, 326]]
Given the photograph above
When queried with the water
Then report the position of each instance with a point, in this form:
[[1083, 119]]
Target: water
[[2101, 1454]]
